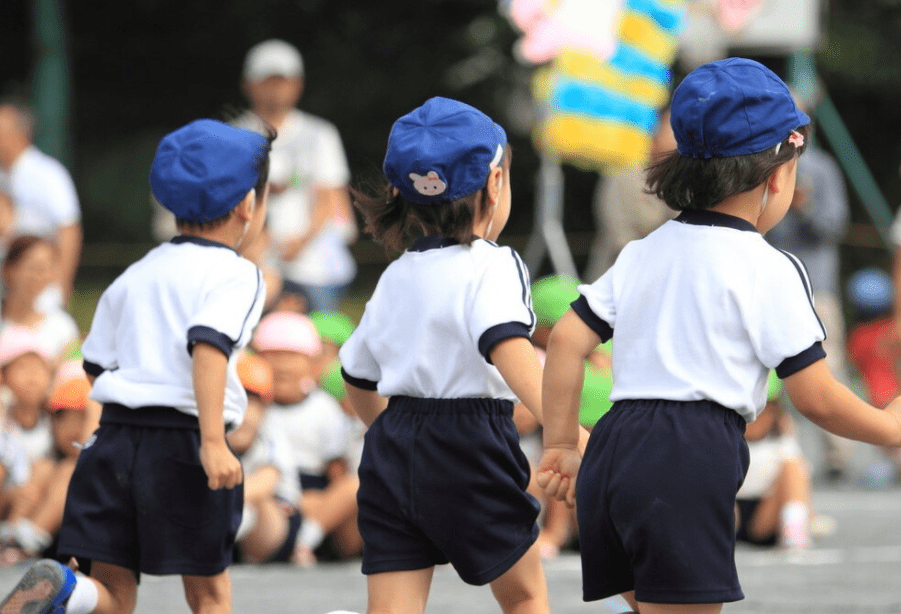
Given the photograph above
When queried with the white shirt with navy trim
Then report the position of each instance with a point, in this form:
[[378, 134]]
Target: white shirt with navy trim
[[703, 308], [435, 315], [147, 322]]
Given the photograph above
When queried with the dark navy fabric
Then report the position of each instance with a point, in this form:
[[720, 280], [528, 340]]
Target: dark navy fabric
[[139, 498], [793, 364], [498, 333], [656, 502], [443, 480], [746, 509], [359, 382], [205, 334], [591, 319], [283, 555]]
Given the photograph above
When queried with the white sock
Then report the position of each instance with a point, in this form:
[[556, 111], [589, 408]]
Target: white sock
[[795, 518], [31, 537], [84, 596], [311, 534]]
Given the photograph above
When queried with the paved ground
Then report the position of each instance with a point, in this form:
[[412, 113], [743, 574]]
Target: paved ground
[[857, 570]]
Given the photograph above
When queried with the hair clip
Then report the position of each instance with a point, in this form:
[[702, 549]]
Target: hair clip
[[796, 139]]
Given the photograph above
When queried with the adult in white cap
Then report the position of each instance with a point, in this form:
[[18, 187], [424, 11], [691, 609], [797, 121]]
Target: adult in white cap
[[310, 219]]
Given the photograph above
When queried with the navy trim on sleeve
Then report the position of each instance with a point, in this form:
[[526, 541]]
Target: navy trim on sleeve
[[205, 334], [92, 368], [498, 333], [359, 382], [792, 365], [598, 325]]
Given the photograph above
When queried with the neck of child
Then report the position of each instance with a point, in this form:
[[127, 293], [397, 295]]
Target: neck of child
[[747, 205], [227, 234], [25, 415], [274, 116]]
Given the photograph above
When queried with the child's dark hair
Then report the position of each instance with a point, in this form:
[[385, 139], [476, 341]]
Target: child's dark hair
[[701, 183], [262, 165], [393, 221]]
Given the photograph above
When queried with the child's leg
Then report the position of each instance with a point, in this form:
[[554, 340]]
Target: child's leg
[[269, 533], [523, 588], [399, 592], [792, 486], [49, 513], [209, 594], [117, 589]]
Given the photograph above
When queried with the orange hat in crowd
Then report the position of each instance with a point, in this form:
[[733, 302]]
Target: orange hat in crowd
[[70, 387], [256, 375]]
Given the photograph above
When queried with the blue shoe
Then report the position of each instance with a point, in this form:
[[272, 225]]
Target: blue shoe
[[43, 589]]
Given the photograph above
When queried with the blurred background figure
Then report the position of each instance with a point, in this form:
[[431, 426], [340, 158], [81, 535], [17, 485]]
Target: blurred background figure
[[310, 221], [623, 210], [43, 197], [813, 230]]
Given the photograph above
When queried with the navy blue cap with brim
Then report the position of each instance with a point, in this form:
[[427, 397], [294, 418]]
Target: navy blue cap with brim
[[204, 169], [732, 107], [442, 151]]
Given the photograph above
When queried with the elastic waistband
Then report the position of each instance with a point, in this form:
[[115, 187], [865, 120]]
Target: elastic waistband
[[155, 416], [681, 406], [474, 405]]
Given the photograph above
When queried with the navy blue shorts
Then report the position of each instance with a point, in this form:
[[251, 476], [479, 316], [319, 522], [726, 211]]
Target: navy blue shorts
[[139, 498], [656, 502], [444, 480]]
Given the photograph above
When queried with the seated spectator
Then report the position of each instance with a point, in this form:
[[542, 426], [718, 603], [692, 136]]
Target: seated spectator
[[270, 522], [27, 271], [773, 506], [318, 433], [290, 297], [873, 351], [30, 530]]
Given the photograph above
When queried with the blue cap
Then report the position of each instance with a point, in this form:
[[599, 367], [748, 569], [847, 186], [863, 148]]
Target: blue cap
[[204, 169], [732, 107], [870, 291], [442, 151]]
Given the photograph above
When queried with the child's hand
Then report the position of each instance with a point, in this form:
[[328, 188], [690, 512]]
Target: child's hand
[[557, 472], [221, 466]]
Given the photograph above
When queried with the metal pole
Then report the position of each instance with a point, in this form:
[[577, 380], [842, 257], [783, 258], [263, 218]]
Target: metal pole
[[548, 236]]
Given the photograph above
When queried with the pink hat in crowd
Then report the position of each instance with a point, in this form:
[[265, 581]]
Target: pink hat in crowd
[[17, 340], [287, 331]]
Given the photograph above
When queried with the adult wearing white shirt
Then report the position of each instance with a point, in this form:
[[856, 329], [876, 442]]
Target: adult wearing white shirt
[[43, 194], [310, 220]]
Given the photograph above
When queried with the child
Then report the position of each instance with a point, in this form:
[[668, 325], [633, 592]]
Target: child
[[157, 490], [314, 425], [702, 309], [446, 337]]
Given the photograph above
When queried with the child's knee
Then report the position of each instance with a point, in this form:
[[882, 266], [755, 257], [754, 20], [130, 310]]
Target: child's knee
[[208, 593]]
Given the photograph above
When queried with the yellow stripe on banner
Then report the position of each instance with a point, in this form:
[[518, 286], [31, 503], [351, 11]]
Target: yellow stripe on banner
[[542, 82], [643, 33], [593, 145], [581, 67]]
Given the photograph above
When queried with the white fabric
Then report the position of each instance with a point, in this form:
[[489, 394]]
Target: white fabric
[[43, 194], [270, 449], [57, 332], [420, 331], [767, 457], [703, 312], [306, 154], [13, 459], [316, 430], [139, 334], [33, 444]]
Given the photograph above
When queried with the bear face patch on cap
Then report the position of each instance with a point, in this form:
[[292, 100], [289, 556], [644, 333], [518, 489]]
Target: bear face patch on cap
[[442, 151]]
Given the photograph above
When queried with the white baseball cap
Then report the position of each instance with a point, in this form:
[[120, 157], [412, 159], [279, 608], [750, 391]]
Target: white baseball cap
[[273, 58]]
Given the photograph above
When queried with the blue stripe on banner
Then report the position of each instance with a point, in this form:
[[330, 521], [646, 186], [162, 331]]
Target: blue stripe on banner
[[594, 101], [630, 61], [668, 18]]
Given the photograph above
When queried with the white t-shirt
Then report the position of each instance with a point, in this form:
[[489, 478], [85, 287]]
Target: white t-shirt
[[43, 194], [434, 317], [703, 308], [306, 154], [146, 322]]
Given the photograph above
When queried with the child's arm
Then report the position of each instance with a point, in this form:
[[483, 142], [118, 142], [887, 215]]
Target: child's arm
[[367, 404], [829, 404], [209, 369], [570, 343]]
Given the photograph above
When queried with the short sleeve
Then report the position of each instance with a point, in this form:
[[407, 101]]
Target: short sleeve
[[502, 303], [331, 163], [597, 306], [782, 323], [99, 347], [358, 366], [230, 309]]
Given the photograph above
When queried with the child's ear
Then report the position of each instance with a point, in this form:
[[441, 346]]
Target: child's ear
[[245, 208], [495, 184]]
